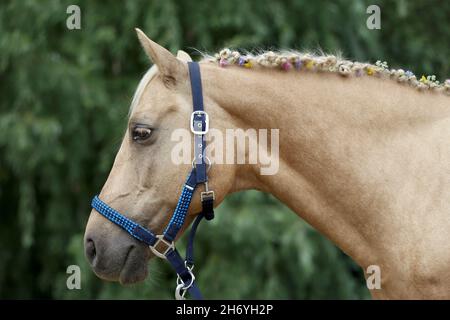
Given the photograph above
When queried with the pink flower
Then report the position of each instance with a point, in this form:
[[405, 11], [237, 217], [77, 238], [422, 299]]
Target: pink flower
[[286, 66], [223, 62]]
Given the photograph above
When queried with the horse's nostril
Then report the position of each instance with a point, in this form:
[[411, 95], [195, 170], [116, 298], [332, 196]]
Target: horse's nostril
[[90, 250]]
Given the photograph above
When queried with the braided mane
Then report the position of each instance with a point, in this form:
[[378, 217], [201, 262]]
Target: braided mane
[[292, 60]]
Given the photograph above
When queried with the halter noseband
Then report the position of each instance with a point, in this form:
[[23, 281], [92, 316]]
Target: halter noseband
[[163, 245]]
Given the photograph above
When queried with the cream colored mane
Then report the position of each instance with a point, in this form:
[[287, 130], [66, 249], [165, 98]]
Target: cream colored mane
[[292, 60]]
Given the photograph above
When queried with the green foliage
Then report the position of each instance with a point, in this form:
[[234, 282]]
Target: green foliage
[[63, 108]]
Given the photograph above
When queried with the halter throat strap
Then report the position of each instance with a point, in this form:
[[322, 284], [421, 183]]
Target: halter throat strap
[[163, 245]]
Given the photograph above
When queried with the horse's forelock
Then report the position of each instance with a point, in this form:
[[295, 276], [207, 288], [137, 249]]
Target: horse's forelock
[[149, 75]]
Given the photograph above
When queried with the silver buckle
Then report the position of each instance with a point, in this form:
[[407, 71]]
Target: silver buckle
[[201, 132], [170, 245], [207, 193]]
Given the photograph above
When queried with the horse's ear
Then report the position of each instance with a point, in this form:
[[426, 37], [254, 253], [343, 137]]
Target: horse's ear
[[183, 56], [170, 67]]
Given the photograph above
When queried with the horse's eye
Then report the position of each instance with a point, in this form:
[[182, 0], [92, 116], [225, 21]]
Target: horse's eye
[[141, 133]]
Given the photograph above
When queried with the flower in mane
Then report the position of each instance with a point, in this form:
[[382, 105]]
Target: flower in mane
[[291, 61]]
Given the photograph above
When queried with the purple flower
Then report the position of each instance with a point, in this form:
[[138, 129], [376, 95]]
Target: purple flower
[[298, 64], [241, 61]]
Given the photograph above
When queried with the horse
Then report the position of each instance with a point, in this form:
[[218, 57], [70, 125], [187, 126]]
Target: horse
[[364, 158]]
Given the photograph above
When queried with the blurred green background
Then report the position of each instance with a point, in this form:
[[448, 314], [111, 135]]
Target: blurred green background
[[64, 98]]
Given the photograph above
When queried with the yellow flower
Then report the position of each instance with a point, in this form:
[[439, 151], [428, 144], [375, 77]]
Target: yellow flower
[[248, 64], [310, 64], [370, 71], [423, 79]]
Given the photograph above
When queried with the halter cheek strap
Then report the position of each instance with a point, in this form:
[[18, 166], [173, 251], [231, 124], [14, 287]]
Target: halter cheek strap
[[163, 245]]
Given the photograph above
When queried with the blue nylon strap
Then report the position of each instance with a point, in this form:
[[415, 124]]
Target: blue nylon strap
[[177, 263], [197, 101], [128, 225], [191, 181], [194, 292], [179, 215], [143, 234], [196, 86], [199, 150], [190, 244]]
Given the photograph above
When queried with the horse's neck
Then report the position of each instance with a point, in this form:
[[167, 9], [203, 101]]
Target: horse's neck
[[360, 158]]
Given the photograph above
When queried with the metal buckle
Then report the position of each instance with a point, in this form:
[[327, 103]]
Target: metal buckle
[[170, 245], [201, 132], [207, 194]]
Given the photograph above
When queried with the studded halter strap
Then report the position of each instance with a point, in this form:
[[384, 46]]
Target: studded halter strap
[[163, 245]]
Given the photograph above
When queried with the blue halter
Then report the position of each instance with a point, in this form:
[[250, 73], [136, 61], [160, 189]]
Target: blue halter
[[163, 245]]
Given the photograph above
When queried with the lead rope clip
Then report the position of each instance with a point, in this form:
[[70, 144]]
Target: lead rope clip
[[181, 288]]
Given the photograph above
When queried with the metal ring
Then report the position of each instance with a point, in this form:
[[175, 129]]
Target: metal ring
[[208, 163], [181, 282]]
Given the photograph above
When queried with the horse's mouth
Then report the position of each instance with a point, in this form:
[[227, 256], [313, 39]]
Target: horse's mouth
[[135, 267]]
